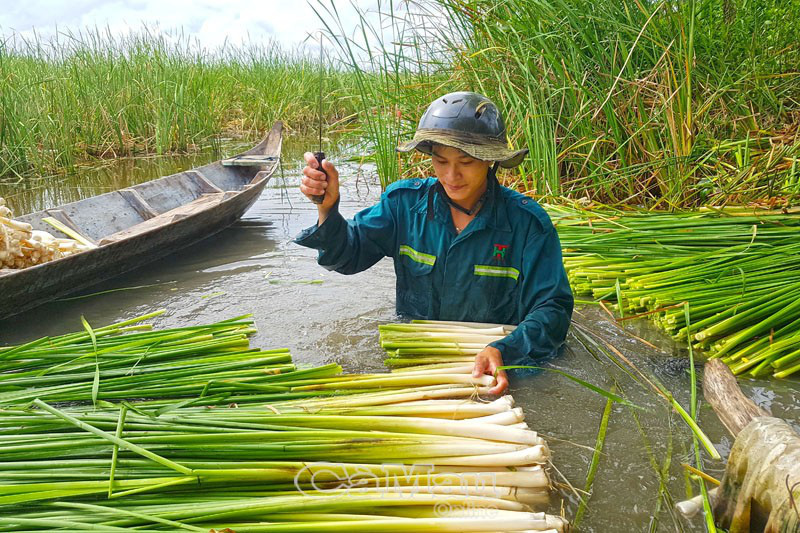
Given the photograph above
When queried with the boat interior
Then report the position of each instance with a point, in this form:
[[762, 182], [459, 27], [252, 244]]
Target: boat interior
[[117, 215]]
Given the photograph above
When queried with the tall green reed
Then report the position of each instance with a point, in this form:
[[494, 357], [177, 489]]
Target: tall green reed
[[663, 104], [395, 71], [98, 94], [646, 103]]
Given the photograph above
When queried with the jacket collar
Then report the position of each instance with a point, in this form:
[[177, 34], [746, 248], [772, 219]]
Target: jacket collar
[[493, 214]]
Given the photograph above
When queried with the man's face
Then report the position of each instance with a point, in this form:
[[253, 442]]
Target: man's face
[[462, 176]]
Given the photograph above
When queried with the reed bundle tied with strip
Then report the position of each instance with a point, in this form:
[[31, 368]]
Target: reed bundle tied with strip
[[224, 435], [22, 246], [726, 280]]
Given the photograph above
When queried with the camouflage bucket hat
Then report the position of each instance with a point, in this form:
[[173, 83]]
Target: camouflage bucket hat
[[469, 122]]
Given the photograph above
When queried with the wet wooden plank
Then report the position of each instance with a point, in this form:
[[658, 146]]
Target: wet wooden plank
[[65, 219], [141, 206], [170, 192], [96, 216], [249, 161], [205, 184], [207, 201]]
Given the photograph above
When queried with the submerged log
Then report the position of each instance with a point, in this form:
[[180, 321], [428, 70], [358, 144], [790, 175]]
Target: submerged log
[[722, 392], [762, 473], [760, 490]]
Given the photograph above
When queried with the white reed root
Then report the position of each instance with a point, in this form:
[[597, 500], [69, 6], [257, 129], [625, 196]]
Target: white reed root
[[21, 246]]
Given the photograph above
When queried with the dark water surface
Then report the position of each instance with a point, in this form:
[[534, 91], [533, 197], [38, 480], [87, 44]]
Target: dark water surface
[[252, 267]]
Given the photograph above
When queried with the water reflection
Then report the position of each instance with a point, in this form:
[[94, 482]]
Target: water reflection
[[32, 194], [28, 194]]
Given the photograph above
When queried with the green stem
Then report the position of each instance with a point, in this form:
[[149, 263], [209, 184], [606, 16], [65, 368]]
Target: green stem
[[111, 438]]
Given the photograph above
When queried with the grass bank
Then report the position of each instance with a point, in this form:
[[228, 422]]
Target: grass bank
[[95, 94], [659, 104]]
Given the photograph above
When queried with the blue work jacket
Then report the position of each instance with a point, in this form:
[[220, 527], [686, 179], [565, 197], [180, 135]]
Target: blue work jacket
[[505, 267]]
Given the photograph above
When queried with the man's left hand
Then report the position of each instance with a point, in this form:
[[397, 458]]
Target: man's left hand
[[487, 362]]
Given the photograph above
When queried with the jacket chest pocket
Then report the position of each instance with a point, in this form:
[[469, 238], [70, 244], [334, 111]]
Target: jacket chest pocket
[[415, 281], [498, 285]]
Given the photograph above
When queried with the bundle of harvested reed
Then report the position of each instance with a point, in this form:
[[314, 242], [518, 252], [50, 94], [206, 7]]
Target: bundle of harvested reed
[[427, 341], [125, 360], [410, 451], [738, 271], [202, 364], [441, 347], [250, 466]]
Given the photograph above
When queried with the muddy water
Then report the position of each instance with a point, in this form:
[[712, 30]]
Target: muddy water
[[252, 267]]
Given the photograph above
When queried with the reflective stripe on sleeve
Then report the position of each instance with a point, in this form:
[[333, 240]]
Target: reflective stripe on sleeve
[[496, 271], [419, 257]]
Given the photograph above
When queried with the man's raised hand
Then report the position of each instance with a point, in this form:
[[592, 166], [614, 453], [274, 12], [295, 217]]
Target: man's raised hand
[[313, 183]]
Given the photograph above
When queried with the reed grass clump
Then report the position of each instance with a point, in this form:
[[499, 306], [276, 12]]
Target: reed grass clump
[[642, 103], [649, 104], [96, 94], [396, 69], [663, 104]]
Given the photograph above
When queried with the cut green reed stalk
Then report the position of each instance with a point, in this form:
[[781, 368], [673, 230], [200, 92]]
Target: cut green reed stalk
[[595, 462], [96, 379], [114, 454], [124, 512], [592, 343], [709, 515], [112, 438]]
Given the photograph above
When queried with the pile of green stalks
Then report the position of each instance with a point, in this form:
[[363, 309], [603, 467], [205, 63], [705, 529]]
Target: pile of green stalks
[[275, 448], [728, 281], [126, 360], [436, 346]]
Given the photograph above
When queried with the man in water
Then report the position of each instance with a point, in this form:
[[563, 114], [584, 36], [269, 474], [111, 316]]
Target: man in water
[[465, 247]]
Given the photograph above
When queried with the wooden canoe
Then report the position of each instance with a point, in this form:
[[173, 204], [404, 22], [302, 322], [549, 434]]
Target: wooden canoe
[[135, 226]]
